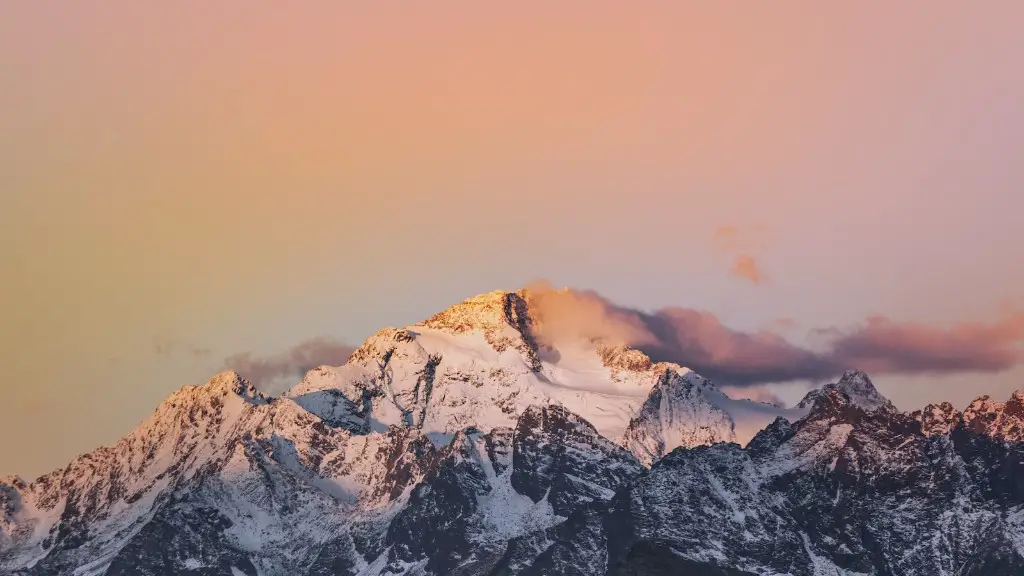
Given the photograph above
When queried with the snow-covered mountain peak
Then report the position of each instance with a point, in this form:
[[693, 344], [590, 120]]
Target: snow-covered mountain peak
[[503, 318], [230, 382], [624, 358], [381, 343], [854, 388], [223, 397], [478, 364], [677, 413], [862, 392], [481, 312]]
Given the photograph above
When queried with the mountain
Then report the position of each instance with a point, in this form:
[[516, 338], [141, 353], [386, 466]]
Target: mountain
[[477, 443], [222, 478], [483, 362]]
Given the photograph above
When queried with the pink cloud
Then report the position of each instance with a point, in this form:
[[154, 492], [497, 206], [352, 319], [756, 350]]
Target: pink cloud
[[699, 340], [883, 345], [726, 238], [745, 267]]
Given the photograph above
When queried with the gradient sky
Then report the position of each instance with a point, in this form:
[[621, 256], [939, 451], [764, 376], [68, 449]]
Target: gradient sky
[[183, 181]]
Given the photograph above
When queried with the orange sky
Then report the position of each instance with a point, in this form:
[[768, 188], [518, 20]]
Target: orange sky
[[184, 181]]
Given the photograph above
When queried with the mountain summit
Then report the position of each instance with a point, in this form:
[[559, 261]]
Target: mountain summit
[[484, 361], [477, 442]]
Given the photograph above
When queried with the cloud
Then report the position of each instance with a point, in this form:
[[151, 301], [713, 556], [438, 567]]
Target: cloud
[[569, 313], [745, 267], [756, 393], [697, 339], [164, 346], [884, 346], [739, 243], [726, 238], [274, 374], [170, 347], [729, 238], [693, 338], [786, 323]]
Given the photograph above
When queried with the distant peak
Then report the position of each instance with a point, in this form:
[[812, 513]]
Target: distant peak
[[854, 388], [381, 343], [862, 392], [983, 403], [624, 358], [854, 374], [856, 378], [231, 382], [937, 419]]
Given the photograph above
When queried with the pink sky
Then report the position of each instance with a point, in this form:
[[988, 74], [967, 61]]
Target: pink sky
[[186, 181]]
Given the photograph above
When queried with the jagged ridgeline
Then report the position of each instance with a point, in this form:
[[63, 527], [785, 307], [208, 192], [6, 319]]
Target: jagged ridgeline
[[475, 443]]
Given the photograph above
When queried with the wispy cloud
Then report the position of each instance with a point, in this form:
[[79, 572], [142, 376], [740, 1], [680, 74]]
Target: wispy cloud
[[757, 393], [725, 238], [785, 323], [276, 373], [171, 347], [740, 244]]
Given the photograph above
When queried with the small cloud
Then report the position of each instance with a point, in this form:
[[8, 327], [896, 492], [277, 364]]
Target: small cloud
[[726, 238], [740, 243], [746, 267], [729, 238], [171, 347], [164, 346], [756, 393], [275, 374], [785, 323]]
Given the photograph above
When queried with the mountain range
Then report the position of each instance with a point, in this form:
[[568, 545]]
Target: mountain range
[[477, 443]]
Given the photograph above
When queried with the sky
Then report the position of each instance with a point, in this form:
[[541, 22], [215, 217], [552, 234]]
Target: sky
[[189, 185]]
